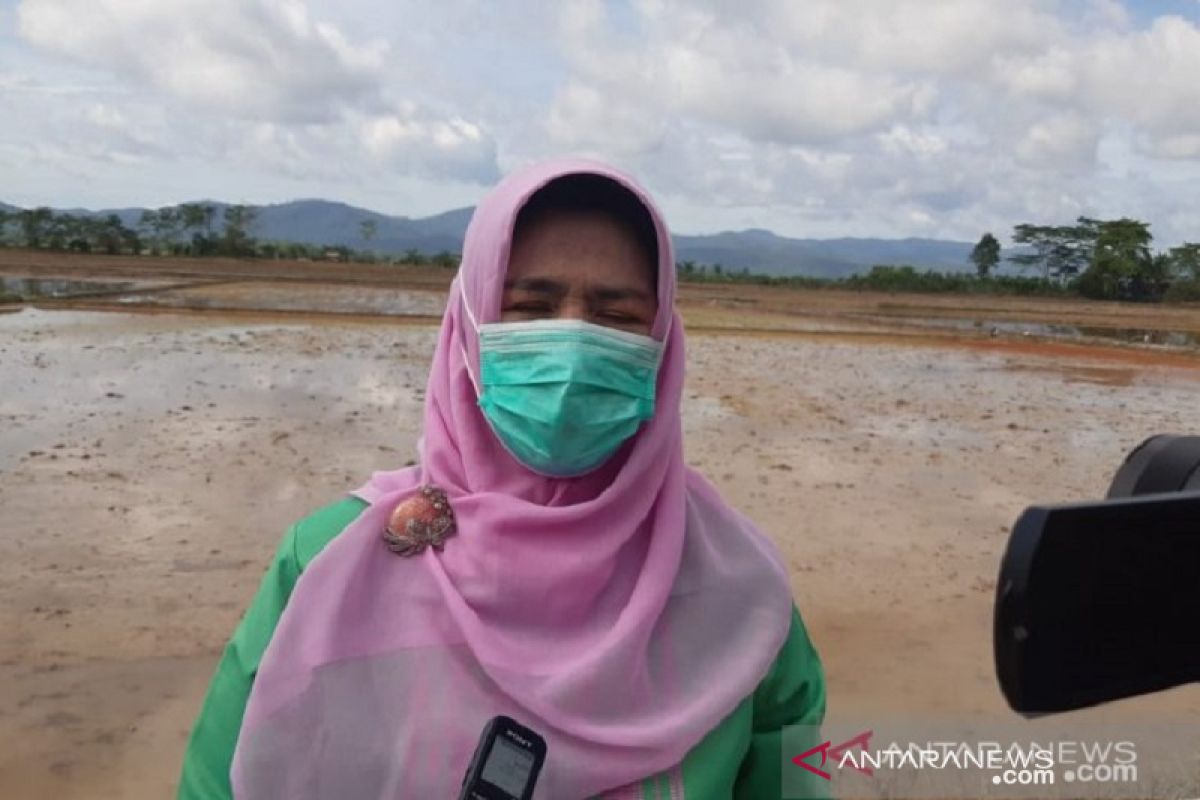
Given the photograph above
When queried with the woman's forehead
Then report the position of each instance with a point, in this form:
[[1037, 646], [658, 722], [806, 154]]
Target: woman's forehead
[[574, 246]]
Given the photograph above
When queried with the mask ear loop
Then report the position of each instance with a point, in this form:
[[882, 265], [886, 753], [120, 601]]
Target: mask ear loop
[[462, 296]]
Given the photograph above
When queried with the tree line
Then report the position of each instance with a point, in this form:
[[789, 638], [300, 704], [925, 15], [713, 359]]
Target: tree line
[[1103, 259], [880, 278], [1094, 258], [188, 229]]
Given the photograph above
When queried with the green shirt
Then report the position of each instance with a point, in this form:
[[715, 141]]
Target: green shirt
[[740, 758]]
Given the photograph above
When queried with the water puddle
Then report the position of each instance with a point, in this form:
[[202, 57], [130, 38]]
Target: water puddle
[[1143, 336], [379, 299], [76, 377], [1078, 373], [264, 296], [34, 288], [1148, 336]]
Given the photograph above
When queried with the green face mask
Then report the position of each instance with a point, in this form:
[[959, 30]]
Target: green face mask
[[562, 395]]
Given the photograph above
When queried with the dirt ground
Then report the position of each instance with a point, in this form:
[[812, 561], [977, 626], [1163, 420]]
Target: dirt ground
[[149, 463]]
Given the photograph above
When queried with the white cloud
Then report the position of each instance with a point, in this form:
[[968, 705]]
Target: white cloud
[[1182, 146], [1107, 13], [1051, 75], [936, 37], [585, 118], [257, 59], [1059, 142], [724, 70], [429, 146], [820, 117], [903, 139], [1148, 78], [260, 84], [903, 115]]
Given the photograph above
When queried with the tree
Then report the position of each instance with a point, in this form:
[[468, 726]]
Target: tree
[[1185, 261], [1060, 251], [161, 227], [71, 232], [193, 218], [81, 234], [296, 250], [113, 237], [59, 231], [1122, 266], [34, 224], [1183, 265], [166, 230], [148, 225], [986, 254], [413, 256], [239, 221], [367, 229], [210, 213]]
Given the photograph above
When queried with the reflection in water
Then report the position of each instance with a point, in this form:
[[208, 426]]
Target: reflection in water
[[101, 380], [403, 301], [247, 295], [1169, 338], [31, 288], [327, 298], [1145, 336]]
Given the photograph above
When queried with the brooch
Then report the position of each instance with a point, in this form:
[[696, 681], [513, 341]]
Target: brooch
[[423, 520]]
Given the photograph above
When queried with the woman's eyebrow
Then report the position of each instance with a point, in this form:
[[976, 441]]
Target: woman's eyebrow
[[538, 285], [601, 294], [609, 294]]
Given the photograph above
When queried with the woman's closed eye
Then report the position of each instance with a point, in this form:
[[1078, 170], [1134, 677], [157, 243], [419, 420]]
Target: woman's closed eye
[[531, 307], [620, 317]]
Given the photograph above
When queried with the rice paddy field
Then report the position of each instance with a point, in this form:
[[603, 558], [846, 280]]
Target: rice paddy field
[[162, 421]]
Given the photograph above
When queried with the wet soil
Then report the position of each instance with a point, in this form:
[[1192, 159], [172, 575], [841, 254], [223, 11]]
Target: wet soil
[[149, 463]]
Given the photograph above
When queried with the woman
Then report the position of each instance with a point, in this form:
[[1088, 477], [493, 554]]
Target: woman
[[551, 557]]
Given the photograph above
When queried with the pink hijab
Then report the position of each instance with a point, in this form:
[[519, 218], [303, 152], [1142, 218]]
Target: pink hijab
[[621, 614]]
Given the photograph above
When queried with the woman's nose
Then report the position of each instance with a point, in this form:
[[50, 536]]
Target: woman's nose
[[572, 308]]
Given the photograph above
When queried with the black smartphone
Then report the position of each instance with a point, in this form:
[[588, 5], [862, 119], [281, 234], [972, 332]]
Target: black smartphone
[[1098, 601], [506, 763]]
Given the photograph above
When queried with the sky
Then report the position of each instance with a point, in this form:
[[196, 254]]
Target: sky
[[811, 118]]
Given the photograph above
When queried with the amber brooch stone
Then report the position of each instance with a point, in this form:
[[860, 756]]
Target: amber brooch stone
[[423, 520]]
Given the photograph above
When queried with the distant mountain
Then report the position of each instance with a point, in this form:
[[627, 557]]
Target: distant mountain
[[764, 252], [325, 222]]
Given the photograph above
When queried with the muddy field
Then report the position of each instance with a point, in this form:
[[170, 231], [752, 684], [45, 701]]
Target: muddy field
[[158, 437]]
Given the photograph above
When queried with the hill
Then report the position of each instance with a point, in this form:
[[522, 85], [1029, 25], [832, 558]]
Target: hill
[[316, 221]]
